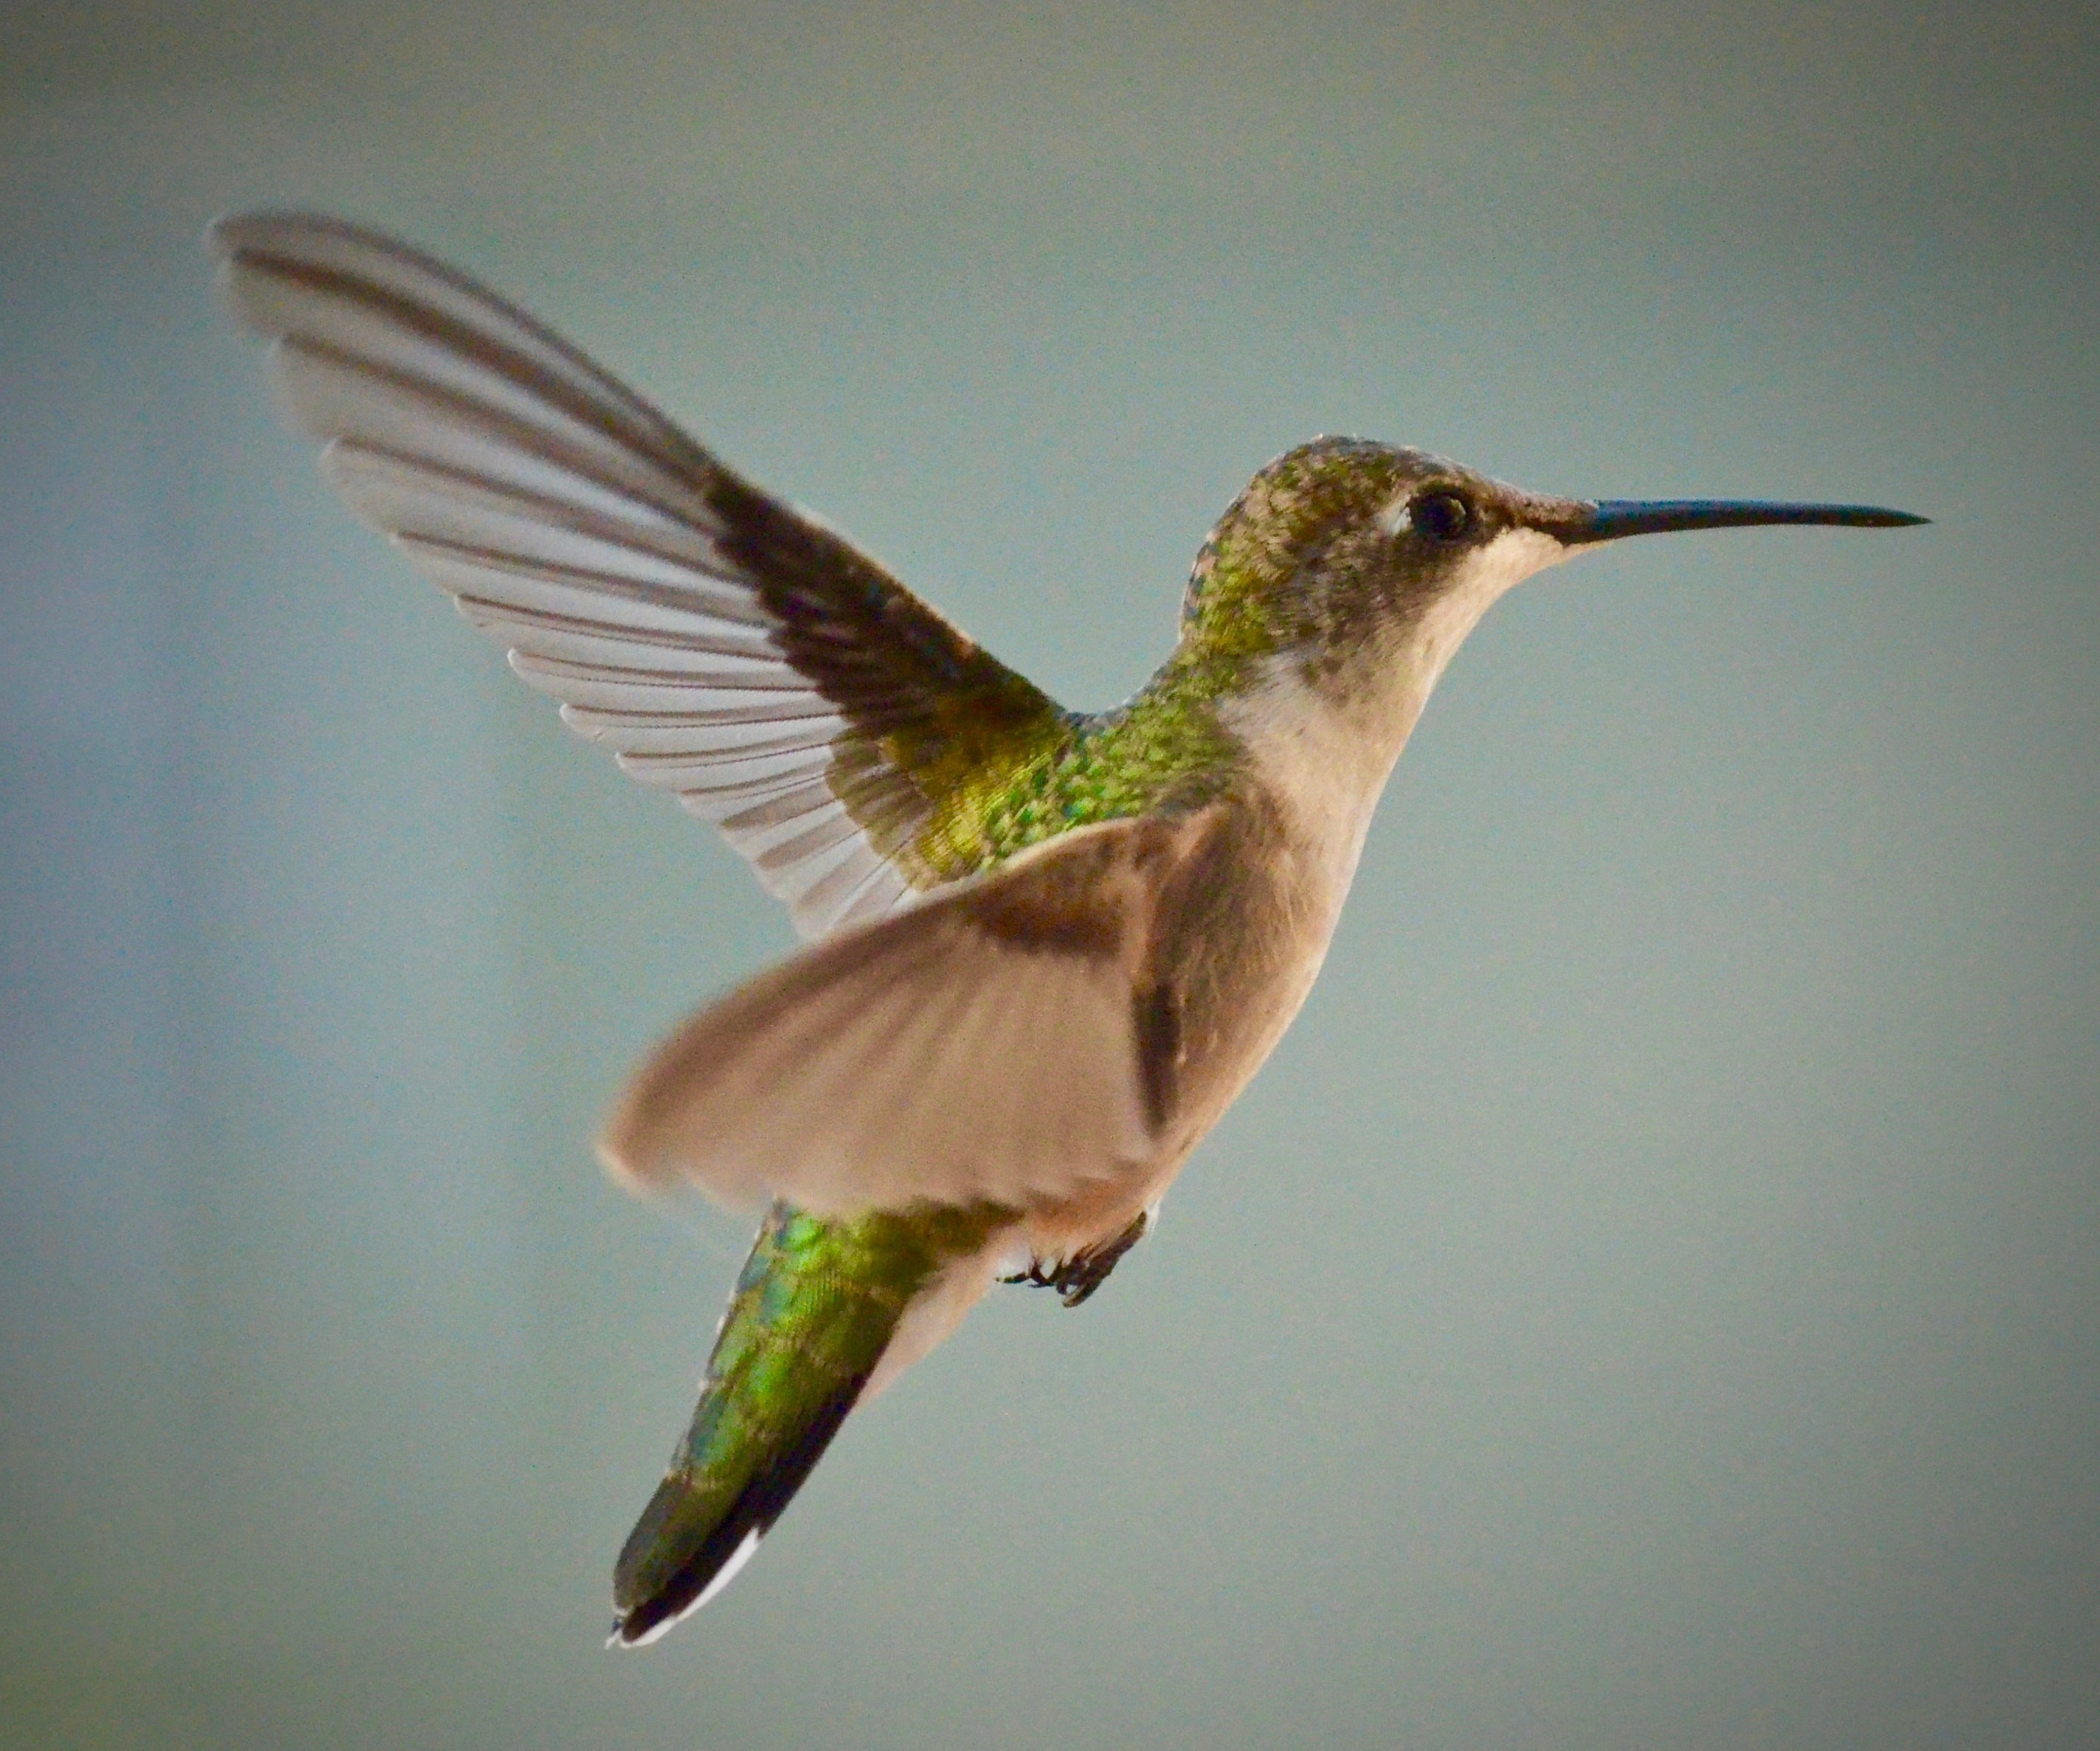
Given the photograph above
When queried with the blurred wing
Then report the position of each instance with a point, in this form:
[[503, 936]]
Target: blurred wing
[[1002, 1041], [723, 645]]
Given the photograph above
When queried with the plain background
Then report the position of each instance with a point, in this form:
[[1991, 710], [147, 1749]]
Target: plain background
[[1650, 1297]]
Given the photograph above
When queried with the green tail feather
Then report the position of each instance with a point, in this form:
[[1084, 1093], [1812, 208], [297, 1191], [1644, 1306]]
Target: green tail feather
[[814, 1308]]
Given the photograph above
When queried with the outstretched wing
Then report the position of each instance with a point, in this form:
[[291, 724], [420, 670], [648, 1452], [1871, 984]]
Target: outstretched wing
[[723, 645], [1007, 1042]]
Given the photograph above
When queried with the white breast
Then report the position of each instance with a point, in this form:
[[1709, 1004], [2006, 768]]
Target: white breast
[[1325, 754]]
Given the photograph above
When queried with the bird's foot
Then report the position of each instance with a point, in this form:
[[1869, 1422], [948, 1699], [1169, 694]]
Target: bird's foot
[[1078, 1277]]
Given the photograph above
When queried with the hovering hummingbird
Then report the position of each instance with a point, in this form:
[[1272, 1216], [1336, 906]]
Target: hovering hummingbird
[[1049, 947]]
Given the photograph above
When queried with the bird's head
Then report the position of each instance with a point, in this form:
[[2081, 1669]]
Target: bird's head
[[1350, 557]]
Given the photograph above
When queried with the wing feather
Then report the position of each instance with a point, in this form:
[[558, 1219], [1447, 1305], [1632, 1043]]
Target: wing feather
[[983, 1046], [721, 645]]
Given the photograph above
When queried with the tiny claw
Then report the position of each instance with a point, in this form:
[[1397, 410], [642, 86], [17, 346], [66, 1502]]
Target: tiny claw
[[1078, 1277]]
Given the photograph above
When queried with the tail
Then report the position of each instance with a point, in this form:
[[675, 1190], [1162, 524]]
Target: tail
[[815, 1307]]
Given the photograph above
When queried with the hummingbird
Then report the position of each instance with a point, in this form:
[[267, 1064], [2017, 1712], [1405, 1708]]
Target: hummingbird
[[1046, 949]]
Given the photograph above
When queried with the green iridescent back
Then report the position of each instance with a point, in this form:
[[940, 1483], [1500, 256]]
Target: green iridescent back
[[1046, 772]]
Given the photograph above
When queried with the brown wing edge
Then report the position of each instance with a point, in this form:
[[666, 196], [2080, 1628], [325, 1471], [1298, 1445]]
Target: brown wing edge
[[930, 708]]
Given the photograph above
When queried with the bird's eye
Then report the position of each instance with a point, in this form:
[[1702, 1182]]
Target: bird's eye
[[1442, 515]]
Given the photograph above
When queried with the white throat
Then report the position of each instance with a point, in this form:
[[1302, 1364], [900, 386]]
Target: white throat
[[1489, 573], [1326, 756]]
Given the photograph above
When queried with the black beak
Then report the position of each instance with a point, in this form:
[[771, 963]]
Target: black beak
[[1578, 521]]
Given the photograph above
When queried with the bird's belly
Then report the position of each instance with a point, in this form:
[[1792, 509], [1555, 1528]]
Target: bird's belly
[[1247, 948], [1245, 978]]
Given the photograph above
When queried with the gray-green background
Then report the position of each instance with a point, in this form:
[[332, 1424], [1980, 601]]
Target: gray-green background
[[1650, 1297]]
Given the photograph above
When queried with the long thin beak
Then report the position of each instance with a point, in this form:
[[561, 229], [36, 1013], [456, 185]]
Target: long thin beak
[[1576, 522]]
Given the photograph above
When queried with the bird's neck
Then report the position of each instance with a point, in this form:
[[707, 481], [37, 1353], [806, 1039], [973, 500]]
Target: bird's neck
[[1322, 750], [1318, 724]]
